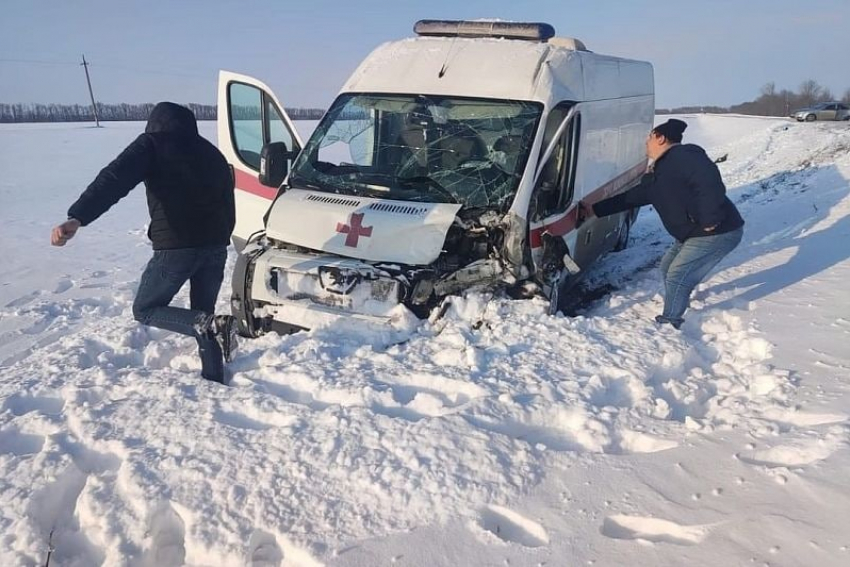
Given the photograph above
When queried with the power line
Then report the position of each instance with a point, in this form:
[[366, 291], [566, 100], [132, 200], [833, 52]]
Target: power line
[[37, 61], [127, 68], [149, 71]]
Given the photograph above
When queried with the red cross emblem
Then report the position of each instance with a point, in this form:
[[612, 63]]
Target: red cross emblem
[[354, 230]]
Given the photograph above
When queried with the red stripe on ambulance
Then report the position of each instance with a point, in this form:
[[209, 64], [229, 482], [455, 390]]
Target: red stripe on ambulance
[[249, 183], [567, 222]]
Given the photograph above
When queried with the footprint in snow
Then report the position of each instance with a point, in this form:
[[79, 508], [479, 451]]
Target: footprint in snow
[[54, 508], [63, 286], [239, 421], [637, 442], [264, 551], [511, 527], [18, 443], [168, 538], [22, 404], [792, 455], [23, 300], [653, 530]]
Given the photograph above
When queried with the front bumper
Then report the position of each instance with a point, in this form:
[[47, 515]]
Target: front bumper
[[286, 291]]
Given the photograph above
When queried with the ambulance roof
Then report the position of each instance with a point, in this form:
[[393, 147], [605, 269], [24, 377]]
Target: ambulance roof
[[496, 68]]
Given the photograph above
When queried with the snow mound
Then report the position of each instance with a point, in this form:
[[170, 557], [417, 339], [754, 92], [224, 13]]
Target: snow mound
[[331, 443]]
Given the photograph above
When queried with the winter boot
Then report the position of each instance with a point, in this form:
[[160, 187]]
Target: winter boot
[[224, 329], [662, 320]]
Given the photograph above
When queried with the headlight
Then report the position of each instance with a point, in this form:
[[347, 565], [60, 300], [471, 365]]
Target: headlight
[[338, 280]]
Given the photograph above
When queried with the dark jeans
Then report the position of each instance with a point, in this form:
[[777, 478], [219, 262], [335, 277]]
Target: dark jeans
[[687, 263], [165, 274]]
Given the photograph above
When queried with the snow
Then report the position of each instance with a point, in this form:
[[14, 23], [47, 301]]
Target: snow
[[497, 435]]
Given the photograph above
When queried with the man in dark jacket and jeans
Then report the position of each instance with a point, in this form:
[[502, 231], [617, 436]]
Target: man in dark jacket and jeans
[[686, 189], [191, 204]]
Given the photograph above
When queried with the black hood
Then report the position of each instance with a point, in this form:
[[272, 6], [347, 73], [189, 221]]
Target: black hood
[[173, 118]]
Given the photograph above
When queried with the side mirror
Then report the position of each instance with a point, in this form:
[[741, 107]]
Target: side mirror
[[273, 164]]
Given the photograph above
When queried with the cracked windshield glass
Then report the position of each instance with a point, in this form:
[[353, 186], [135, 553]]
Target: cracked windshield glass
[[415, 148]]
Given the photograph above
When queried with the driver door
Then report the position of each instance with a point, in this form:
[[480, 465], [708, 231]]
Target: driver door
[[249, 117], [553, 213]]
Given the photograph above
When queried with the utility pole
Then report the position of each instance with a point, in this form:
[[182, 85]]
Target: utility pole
[[91, 94]]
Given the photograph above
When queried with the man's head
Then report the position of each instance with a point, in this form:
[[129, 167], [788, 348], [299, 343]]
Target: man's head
[[663, 137], [173, 118]]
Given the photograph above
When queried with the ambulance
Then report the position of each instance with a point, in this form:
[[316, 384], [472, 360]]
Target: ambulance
[[450, 161]]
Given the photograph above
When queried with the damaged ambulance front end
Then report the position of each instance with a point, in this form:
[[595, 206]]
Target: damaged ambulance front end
[[395, 202]]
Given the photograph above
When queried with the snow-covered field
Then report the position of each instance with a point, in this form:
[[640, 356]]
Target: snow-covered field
[[497, 436]]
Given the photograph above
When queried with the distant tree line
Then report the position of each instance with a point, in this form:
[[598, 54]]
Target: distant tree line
[[771, 101], [115, 112]]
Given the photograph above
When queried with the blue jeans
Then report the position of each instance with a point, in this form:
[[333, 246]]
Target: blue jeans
[[687, 263], [165, 274]]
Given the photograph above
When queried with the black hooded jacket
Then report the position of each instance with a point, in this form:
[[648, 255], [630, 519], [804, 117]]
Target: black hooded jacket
[[189, 183], [686, 189]]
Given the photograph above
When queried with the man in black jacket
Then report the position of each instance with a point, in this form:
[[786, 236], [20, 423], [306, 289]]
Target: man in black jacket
[[191, 204], [686, 189]]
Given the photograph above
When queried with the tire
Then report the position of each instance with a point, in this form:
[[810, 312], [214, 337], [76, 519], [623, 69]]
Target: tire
[[555, 296], [241, 306], [625, 232], [246, 331], [811, 117]]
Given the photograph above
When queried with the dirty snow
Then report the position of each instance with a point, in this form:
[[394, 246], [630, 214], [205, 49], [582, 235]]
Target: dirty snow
[[496, 436]]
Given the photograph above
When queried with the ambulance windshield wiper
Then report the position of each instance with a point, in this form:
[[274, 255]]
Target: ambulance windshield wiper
[[300, 181], [429, 182], [297, 181]]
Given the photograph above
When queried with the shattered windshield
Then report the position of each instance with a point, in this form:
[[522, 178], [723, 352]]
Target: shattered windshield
[[416, 148]]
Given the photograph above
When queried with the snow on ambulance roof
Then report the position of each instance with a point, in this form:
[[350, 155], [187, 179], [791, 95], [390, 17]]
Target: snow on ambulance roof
[[485, 67]]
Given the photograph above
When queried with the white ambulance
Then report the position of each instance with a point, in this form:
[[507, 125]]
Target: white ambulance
[[451, 161]]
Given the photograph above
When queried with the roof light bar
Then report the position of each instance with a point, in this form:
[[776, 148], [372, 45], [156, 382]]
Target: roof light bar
[[483, 28]]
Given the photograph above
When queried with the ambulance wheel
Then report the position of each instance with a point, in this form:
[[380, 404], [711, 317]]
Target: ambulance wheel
[[625, 232], [246, 330]]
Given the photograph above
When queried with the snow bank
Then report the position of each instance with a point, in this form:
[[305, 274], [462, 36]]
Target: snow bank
[[511, 436]]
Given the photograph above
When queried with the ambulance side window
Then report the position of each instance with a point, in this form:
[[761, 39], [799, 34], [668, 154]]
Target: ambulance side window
[[246, 115], [255, 121], [568, 178], [556, 183]]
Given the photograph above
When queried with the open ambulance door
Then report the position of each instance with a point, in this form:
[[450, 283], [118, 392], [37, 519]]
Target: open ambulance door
[[250, 117]]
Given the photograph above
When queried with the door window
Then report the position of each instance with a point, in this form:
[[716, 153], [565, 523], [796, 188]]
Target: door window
[[556, 183], [246, 114], [255, 122]]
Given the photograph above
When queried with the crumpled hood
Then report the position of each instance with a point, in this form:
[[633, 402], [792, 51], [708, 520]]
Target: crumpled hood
[[172, 118], [379, 230]]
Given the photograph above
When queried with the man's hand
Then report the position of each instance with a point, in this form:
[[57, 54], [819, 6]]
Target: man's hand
[[709, 228], [64, 232]]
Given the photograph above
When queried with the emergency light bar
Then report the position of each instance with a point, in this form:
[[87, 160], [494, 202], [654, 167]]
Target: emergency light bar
[[466, 28]]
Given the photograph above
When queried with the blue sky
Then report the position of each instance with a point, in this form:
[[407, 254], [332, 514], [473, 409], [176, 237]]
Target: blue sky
[[704, 52]]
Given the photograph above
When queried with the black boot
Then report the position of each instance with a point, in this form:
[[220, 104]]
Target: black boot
[[224, 329], [662, 320]]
